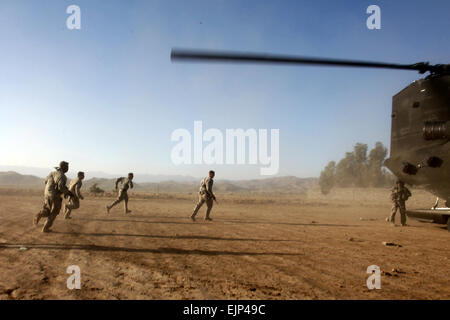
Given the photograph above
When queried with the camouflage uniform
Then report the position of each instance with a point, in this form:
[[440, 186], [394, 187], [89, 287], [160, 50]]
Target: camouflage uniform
[[123, 195], [55, 187], [399, 195], [205, 194], [74, 201]]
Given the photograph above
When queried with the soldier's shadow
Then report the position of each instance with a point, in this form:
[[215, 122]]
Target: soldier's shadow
[[175, 237], [230, 221], [167, 250]]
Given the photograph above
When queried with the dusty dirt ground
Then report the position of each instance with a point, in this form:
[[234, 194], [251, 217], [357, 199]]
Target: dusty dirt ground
[[257, 247]]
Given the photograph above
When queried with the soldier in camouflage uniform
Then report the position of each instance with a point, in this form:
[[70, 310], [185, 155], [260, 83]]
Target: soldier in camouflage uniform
[[74, 201], [399, 195], [205, 194], [126, 183], [55, 188]]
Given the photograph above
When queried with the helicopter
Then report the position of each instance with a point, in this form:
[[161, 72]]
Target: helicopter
[[420, 125]]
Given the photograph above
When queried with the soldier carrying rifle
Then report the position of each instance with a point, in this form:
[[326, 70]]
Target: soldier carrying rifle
[[399, 195]]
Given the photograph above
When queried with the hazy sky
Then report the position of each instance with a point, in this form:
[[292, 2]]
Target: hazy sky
[[107, 97]]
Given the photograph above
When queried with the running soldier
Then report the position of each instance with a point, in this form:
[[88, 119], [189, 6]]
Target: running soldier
[[74, 201], [126, 183], [399, 195], [205, 194], [55, 187]]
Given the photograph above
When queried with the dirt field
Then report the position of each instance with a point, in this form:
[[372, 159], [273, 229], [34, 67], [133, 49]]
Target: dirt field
[[258, 247]]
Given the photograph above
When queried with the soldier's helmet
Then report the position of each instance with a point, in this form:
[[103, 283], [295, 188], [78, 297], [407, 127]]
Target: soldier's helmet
[[64, 166], [400, 182]]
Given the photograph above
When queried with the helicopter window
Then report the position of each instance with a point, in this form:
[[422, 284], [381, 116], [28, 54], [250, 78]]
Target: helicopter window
[[416, 104], [434, 162], [409, 168]]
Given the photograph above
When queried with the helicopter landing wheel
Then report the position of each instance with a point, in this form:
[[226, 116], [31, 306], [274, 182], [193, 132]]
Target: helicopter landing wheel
[[448, 224]]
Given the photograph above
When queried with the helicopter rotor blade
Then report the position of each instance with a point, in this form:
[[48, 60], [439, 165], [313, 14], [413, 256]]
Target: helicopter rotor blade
[[241, 57]]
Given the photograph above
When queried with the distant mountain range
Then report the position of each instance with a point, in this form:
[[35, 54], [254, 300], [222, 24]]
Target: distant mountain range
[[43, 172], [14, 179], [288, 184]]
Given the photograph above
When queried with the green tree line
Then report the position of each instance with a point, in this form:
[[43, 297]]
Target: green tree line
[[357, 169]]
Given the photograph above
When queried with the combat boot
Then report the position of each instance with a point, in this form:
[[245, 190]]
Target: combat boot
[[107, 209], [208, 219], [46, 230], [36, 218]]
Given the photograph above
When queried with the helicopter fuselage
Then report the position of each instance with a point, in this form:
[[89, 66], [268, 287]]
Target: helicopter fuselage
[[420, 118]]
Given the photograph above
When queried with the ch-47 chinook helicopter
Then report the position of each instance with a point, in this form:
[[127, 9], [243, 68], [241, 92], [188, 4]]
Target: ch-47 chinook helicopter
[[420, 130]]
